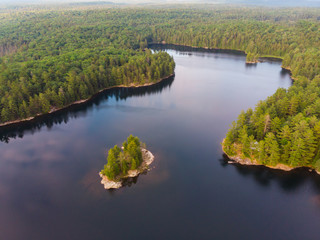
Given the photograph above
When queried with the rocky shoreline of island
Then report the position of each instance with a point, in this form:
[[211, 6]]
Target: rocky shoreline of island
[[253, 162]]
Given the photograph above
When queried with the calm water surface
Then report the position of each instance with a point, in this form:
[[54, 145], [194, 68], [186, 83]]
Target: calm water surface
[[50, 188]]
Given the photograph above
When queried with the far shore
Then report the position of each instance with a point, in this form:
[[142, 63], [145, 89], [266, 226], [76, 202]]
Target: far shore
[[252, 162], [54, 110], [252, 62], [203, 48], [260, 59], [147, 158]]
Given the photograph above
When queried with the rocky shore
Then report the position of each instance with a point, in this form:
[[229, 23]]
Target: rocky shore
[[246, 161], [147, 158]]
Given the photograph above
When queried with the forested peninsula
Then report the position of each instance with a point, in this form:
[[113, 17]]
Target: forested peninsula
[[51, 58], [126, 162]]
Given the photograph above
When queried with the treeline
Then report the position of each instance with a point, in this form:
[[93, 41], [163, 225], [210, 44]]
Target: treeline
[[50, 84], [121, 161]]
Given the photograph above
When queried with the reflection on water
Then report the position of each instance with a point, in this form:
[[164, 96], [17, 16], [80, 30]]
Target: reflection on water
[[287, 181], [251, 65], [75, 111], [200, 52]]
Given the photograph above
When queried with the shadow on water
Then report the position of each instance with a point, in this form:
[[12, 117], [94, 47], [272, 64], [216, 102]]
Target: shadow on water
[[186, 50], [80, 110], [285, 72], [127, 182], [289, 181], [251, 65]]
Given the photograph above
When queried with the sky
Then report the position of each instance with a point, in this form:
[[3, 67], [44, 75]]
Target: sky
[[254, 2]]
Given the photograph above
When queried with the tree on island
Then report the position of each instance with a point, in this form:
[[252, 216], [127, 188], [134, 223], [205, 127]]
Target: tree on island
[[121, 161]]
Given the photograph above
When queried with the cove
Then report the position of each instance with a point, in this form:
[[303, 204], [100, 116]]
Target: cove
[[49, 187]]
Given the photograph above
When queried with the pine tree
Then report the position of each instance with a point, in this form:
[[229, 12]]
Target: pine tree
[[267, 122], [44, 103], [242, 119], [112, 169], [275, 125], [297, 152], [310, 147], [134, 164], [262, 153], [244, 140], [285, 152], [5, 116], [123, 163], [228, 144], [252, 146], [316, 130], [272, 149], [294, 103]]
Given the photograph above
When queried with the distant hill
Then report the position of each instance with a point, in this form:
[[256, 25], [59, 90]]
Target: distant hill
[[91, 3], [288, 3], [282, 3]]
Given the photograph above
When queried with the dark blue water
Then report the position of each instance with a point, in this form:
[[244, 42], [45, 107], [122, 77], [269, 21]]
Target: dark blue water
[[50, 188]]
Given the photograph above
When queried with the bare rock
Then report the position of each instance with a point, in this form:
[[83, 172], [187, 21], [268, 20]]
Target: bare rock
[[108, 184]]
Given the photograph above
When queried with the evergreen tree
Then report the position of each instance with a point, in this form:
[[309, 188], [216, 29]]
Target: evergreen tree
[[262, 153], [297, 152], [244, 140], [271, 149], [119, 162], [112, 168]]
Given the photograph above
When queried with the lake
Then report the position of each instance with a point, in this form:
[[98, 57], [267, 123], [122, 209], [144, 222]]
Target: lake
[[49, 183]]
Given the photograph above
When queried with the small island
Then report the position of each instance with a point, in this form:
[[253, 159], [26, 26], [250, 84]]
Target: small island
[[126, 162]]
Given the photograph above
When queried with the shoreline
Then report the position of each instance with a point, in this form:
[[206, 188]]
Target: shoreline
[[79, 102], [147, 157], [288, 69], [249, 162], [226, 50]]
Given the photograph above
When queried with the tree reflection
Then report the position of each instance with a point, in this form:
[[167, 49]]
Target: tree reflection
[[288, 181], [64, 115], [186, 50]]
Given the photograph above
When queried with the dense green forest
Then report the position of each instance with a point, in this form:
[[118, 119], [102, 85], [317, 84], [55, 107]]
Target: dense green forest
[[120, 161], [51, 58]]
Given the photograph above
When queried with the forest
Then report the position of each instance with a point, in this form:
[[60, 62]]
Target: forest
[[120, 161], [50, 58]]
